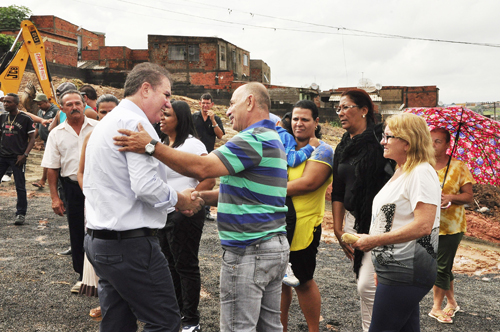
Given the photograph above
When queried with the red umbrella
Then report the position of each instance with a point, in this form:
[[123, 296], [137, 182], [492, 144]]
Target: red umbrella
[[477, 139]]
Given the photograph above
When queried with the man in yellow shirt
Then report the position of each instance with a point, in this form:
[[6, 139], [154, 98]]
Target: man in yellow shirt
[[456, 191]]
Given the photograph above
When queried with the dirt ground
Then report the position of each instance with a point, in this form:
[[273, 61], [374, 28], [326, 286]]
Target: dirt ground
[[35, 282]]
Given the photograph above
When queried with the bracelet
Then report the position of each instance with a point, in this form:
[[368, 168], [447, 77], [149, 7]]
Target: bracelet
[[25, 154], [214, 126]]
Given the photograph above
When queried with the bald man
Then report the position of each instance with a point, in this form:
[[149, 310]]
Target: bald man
[[251, 210]]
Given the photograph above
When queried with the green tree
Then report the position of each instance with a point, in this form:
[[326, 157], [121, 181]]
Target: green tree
[[6, 42], [12, 16]]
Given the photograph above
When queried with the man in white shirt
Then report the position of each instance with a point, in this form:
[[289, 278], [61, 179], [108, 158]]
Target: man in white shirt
[[127, 199], [61, 158]]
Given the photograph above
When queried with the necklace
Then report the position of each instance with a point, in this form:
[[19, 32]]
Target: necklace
[[12, 122]]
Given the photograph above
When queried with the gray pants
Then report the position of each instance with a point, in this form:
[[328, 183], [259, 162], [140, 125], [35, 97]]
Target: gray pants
[[134, 284]]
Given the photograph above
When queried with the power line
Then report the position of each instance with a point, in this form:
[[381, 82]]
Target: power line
[[340, 30], [363, 32]]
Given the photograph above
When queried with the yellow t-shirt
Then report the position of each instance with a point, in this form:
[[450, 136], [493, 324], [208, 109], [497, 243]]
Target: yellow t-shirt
[[453, 218], [310, 208]]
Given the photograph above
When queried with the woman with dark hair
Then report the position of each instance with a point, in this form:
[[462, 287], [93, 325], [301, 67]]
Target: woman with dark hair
[[359, 172], [180, 239], [307, 184]]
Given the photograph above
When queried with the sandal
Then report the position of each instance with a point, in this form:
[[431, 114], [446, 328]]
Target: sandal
[[450, 312], [95, 313], [441, 318], [38, 185]]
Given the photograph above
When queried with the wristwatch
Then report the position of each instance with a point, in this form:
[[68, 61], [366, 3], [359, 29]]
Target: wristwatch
[[150, 147], [26, 155], [214, 126]]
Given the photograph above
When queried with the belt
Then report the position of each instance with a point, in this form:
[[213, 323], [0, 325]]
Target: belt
[[115, 235]]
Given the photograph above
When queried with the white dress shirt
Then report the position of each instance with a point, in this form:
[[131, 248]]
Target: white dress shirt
[[124, 190], [64, 146]]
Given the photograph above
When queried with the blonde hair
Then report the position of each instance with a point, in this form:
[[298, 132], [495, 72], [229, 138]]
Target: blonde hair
[[413, 129]]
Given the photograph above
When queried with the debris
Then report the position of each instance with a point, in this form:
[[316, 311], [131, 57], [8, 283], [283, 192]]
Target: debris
[[42, 224]]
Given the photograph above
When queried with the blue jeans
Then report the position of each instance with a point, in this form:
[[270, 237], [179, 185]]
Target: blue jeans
[[19, 179], [250, 286]]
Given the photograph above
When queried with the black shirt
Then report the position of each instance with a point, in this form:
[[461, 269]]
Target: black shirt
[[43, 131], [14, 138], [205, 130]]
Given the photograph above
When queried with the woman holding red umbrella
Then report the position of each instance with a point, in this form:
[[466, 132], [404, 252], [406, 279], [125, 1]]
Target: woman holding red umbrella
[[457, 183]]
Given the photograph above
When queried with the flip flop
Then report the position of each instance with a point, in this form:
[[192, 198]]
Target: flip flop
[[450, 312], [441, 318], [38, 185]]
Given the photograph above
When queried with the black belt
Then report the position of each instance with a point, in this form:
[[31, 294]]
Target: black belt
[[67, 179], [115, 235]]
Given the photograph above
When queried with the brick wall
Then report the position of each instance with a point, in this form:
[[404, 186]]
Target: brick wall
[[422, 96], [140, 55], [209, 71], [60, 27], [260, 72], [102, 40], [59, 49], [116, 57], [213, 80], [90, 55]]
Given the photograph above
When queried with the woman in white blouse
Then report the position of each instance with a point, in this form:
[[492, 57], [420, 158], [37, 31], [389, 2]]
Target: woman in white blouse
[[405, 226], [180, 239]]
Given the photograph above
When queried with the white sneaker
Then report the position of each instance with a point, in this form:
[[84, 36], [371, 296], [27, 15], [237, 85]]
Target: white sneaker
[[5, 178], [76, 287], [191, 328], [290, 279]]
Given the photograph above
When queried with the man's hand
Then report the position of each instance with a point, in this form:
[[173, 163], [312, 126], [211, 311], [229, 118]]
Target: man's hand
[[211, 114], [21, 160], [313, 141], [446, 201], [189, 202], [58, 207], [133, 141], [46, 122]]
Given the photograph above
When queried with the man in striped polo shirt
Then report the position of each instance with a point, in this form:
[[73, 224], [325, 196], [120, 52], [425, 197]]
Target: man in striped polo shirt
[[251, 208]]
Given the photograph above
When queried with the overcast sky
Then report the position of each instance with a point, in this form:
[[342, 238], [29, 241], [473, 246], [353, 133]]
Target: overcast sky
[[331, 43]]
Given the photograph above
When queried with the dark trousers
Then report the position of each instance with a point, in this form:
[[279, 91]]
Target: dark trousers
[[397, 309], [76, 221], [20, 180], [134, 284], [180, 243]]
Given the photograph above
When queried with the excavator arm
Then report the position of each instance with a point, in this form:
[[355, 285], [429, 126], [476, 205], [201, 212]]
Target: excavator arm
[[14, 64]]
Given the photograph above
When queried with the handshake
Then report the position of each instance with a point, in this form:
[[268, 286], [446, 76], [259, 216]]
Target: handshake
[[189, 202]]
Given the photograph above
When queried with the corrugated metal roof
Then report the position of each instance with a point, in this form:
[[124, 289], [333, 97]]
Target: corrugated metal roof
[[90, 65]]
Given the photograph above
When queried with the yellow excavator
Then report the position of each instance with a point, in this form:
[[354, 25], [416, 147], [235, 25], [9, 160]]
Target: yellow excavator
[[13, 65]]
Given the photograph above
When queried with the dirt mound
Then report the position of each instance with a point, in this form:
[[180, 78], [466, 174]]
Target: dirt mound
[[486, 195]]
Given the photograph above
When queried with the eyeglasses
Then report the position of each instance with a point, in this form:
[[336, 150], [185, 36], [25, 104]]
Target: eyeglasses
[[386, 137], [345, 108]]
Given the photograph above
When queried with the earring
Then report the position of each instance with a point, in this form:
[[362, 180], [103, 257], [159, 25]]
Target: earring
[[364, 116]]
